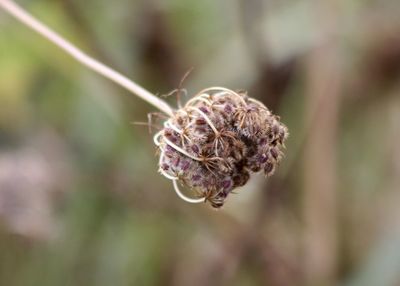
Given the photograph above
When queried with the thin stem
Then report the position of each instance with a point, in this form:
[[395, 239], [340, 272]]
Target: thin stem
[[206, 118], [179, 149], [185, 198], [217, 88], [24, 17]]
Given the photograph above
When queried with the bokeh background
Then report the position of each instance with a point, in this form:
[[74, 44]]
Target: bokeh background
[[81, 202]]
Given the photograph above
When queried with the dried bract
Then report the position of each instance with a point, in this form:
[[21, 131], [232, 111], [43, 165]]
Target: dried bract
[[213, 144]]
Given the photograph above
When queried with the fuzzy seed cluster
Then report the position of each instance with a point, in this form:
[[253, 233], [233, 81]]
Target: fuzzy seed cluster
[[213, 143]]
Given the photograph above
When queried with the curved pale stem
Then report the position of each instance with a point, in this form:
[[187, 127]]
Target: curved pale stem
[[206, 118], [157, 137], [201, 97], [179, 149], [184, 197], [216, 88], [27, 19]]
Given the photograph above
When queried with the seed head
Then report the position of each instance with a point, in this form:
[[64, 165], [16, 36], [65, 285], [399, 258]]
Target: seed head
[[213, 144]]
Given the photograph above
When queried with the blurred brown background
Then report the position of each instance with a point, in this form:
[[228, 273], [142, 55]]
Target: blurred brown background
[[81, 202]]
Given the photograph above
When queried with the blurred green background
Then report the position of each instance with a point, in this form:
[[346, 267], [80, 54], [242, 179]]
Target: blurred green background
[[81, 202]]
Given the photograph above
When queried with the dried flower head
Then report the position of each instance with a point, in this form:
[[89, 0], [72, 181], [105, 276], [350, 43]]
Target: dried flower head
[[213, 144]]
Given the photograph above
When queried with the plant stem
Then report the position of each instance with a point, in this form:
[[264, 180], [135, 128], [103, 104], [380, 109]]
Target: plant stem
[[24, 17]]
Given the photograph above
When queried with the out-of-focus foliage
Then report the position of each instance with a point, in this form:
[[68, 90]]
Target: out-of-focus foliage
[[81, 202]]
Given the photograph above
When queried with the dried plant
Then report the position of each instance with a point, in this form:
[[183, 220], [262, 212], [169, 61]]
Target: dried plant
[[212, 144]]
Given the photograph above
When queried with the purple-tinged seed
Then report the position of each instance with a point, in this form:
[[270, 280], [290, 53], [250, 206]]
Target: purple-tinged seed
[[195, 149], [196, 177], [185, 165], [204, 109]]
